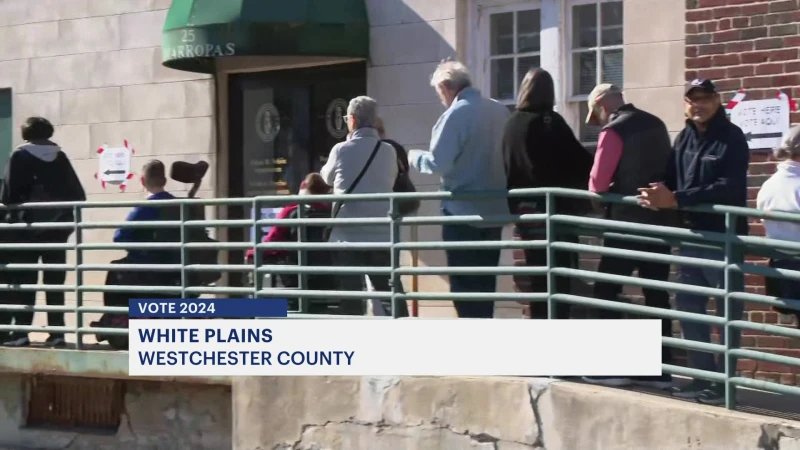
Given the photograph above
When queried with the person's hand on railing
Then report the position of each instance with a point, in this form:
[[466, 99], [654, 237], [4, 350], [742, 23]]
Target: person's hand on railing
[[657, 196]]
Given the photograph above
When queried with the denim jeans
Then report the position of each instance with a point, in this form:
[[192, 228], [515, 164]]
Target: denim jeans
[[472, 258], [698, 304]]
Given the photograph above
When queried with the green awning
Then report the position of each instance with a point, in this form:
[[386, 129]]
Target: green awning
[[198, 31]]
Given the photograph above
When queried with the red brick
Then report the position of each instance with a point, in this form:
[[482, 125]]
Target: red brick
[[699, 63], [727, 36], [729, 84], [788, 29], [691, 51], [710, 26], [729, 11], [759, 157], [724, 24], [749, 341], [690, 28], [769, 69], [690, 75], [780, 6], [793, 66], [746, 364], [754, 33], [752, 10], [725, 60], [786, 80], [710, 3], [757, 82], [711, 49], [756, 21], [699, 15], [774, 368], [738, 47], [741, 71], [740, 22], [771, 342], [791, 41], [768, 43], [754, 57]]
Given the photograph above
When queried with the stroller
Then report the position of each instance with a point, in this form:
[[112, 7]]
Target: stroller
[[181, 172]]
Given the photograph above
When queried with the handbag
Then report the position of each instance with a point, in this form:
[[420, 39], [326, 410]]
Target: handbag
[[403, 181], [338, 205]]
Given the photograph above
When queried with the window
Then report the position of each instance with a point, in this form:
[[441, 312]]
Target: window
[[595, 46], [514, 43]]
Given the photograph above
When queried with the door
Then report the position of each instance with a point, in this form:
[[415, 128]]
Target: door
[[282, 126]]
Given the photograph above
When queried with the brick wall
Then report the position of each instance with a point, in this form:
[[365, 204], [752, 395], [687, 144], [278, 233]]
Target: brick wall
[[752, 45]]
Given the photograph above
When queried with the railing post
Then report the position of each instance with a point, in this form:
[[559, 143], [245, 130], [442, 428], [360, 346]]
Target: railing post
[[733, 282], [302, 279], [78, 277], [551, 279], [394, 237], [258, 278], [184, 250]]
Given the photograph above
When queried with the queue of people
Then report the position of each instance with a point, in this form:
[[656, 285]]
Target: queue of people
[[478, 145]]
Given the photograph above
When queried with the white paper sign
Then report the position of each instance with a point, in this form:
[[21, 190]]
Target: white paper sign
[[115, 165], [764, 122]]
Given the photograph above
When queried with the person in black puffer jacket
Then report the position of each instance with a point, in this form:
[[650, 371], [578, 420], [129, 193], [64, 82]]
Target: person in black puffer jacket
[[540, 150]]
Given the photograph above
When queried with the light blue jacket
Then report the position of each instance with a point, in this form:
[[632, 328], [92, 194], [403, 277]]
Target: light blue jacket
[[466, 152]]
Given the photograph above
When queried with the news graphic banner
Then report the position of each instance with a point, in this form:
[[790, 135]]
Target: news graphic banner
[[164, 345]]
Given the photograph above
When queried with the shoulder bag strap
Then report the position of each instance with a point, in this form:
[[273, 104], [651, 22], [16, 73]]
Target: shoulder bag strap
[[352, 187]]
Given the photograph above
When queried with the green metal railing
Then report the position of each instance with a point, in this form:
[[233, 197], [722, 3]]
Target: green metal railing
[[552, 223]]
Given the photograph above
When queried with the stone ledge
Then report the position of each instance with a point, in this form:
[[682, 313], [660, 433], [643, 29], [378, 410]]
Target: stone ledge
[[497, 413], [82, 363]]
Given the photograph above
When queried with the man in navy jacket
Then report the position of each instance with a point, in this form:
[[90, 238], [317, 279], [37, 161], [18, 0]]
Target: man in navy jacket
[[709, 166]]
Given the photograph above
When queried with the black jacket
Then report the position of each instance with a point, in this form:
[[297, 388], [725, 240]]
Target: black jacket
[[646, 151], [41, 173], [540, 150], [710, 168]]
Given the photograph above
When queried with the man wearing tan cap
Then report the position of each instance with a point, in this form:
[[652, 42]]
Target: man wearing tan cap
[[633, 150]]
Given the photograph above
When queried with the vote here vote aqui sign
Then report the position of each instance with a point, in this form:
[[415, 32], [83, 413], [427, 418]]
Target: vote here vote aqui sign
[[764, 122]]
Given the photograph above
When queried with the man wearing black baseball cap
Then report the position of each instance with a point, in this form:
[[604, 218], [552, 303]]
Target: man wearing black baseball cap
[[709, 166]]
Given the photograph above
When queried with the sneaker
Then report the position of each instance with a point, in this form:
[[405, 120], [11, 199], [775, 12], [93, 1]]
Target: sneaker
[[691, 390], [608, 381], [55, 341], [21, 341], [661, 383], [713, 396]]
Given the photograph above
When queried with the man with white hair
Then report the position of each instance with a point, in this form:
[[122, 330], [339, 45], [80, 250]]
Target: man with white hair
[[363, 164], [465, 152]]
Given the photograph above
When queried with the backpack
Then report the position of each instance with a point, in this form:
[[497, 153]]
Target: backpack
[[41, 194]]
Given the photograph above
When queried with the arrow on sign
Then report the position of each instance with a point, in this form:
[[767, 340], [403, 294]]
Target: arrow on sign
[[114, 172], [751, 136]]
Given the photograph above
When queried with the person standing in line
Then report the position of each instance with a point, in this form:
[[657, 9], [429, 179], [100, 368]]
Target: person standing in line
[[39, 171], [781, 192], [465, 152], [709, 166], [633, 150], [362, 164], [540, 151]]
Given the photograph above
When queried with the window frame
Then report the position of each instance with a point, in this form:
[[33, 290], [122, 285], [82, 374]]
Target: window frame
[[483, 62], [574, 101]]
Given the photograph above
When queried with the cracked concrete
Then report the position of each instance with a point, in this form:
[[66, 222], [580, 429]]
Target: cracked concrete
[[426, 413]]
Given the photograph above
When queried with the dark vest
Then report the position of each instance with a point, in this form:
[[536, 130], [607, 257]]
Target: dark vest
[[646, 150]]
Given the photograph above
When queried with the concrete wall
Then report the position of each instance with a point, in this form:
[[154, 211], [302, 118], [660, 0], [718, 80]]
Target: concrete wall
[[483, 413], [93, 67], [156, 416], [653, 58]]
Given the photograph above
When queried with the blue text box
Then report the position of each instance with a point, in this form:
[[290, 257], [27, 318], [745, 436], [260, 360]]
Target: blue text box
[[208, 307]]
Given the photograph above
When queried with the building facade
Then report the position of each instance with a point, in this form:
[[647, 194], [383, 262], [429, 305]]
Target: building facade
[[259, 93]]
